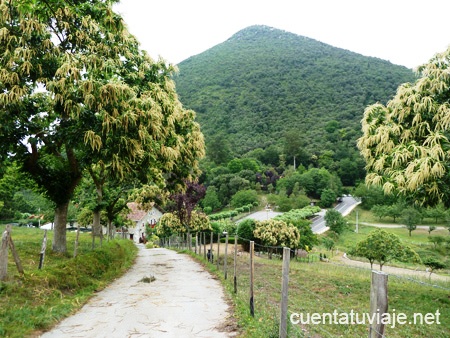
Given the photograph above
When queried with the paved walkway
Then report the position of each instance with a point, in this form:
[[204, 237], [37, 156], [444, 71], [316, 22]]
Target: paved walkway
[[183, 300]]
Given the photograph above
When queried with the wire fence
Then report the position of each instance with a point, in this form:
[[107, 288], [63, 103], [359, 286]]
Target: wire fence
[[338, 302]]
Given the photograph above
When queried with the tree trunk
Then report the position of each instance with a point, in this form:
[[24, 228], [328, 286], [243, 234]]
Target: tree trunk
[[189, 238], [109, 230], [59, 234], [95, 227]]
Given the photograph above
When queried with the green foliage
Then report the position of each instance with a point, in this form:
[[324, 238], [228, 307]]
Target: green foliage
[[105, 105], [245, 231], [404, 143], [394, 211], [382, 247], [219, 150], [327, 198], [411, 217], [199, 222], [85, 217], [169, 224], [235, 166], [379, 210], [224, 225], [232, 213], [299, 218], [244, 197], [211, 200], [20, 194], [335, 221], [216, 227], [437, 212], [284, 203], [227, 185], [267, 92], [433, 264], [437, 240], [328, 243], [372, 195], [298, 214], [313, 183]]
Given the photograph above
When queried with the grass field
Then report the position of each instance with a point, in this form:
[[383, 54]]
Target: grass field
[[324, 288], [419, 240], [40, 298]]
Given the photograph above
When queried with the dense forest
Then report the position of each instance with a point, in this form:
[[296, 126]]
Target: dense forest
[[263, 82], [266, 92]]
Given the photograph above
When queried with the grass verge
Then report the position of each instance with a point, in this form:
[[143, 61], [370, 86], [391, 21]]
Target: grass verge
[[36, 301], [322, 287]]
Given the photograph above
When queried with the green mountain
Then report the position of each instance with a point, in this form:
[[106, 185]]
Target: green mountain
[[264, 82]]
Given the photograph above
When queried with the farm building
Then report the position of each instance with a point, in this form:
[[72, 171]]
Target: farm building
[[140, 218]]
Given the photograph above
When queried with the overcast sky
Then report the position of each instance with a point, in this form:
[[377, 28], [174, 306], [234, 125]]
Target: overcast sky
[[405, 32]]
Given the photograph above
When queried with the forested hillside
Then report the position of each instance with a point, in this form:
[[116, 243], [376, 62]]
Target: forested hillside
[[265, 86]]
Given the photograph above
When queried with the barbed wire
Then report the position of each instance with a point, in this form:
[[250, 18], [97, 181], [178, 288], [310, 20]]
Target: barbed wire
[[328, 302], [419, 282], [259, 245], [394, 275], [268, 286], [414, 280]]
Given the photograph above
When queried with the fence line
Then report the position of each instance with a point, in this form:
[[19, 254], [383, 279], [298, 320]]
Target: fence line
[[257, 284], [411, 279]]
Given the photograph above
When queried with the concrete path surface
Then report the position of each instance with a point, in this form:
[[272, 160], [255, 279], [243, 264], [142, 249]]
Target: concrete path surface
[[183, 300]]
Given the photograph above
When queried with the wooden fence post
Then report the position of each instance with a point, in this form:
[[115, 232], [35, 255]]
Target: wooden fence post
[[204, 245], [378, 303], [196, 243], [252, 273], [284, 292], [218, 250], [211, 247], [4, 254], [225, 263], [43, 248], [15, 255], [235, 262]]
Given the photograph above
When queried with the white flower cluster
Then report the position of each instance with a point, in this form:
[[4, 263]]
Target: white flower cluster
[[277, 233]]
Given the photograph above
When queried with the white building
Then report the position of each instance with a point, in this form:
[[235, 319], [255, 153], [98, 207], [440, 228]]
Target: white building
[[140, 218]]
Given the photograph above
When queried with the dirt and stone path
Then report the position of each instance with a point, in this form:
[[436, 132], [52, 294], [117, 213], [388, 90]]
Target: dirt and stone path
[[164, 294]]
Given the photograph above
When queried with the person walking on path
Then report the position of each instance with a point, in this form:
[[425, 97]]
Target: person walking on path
[[164, 294]]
